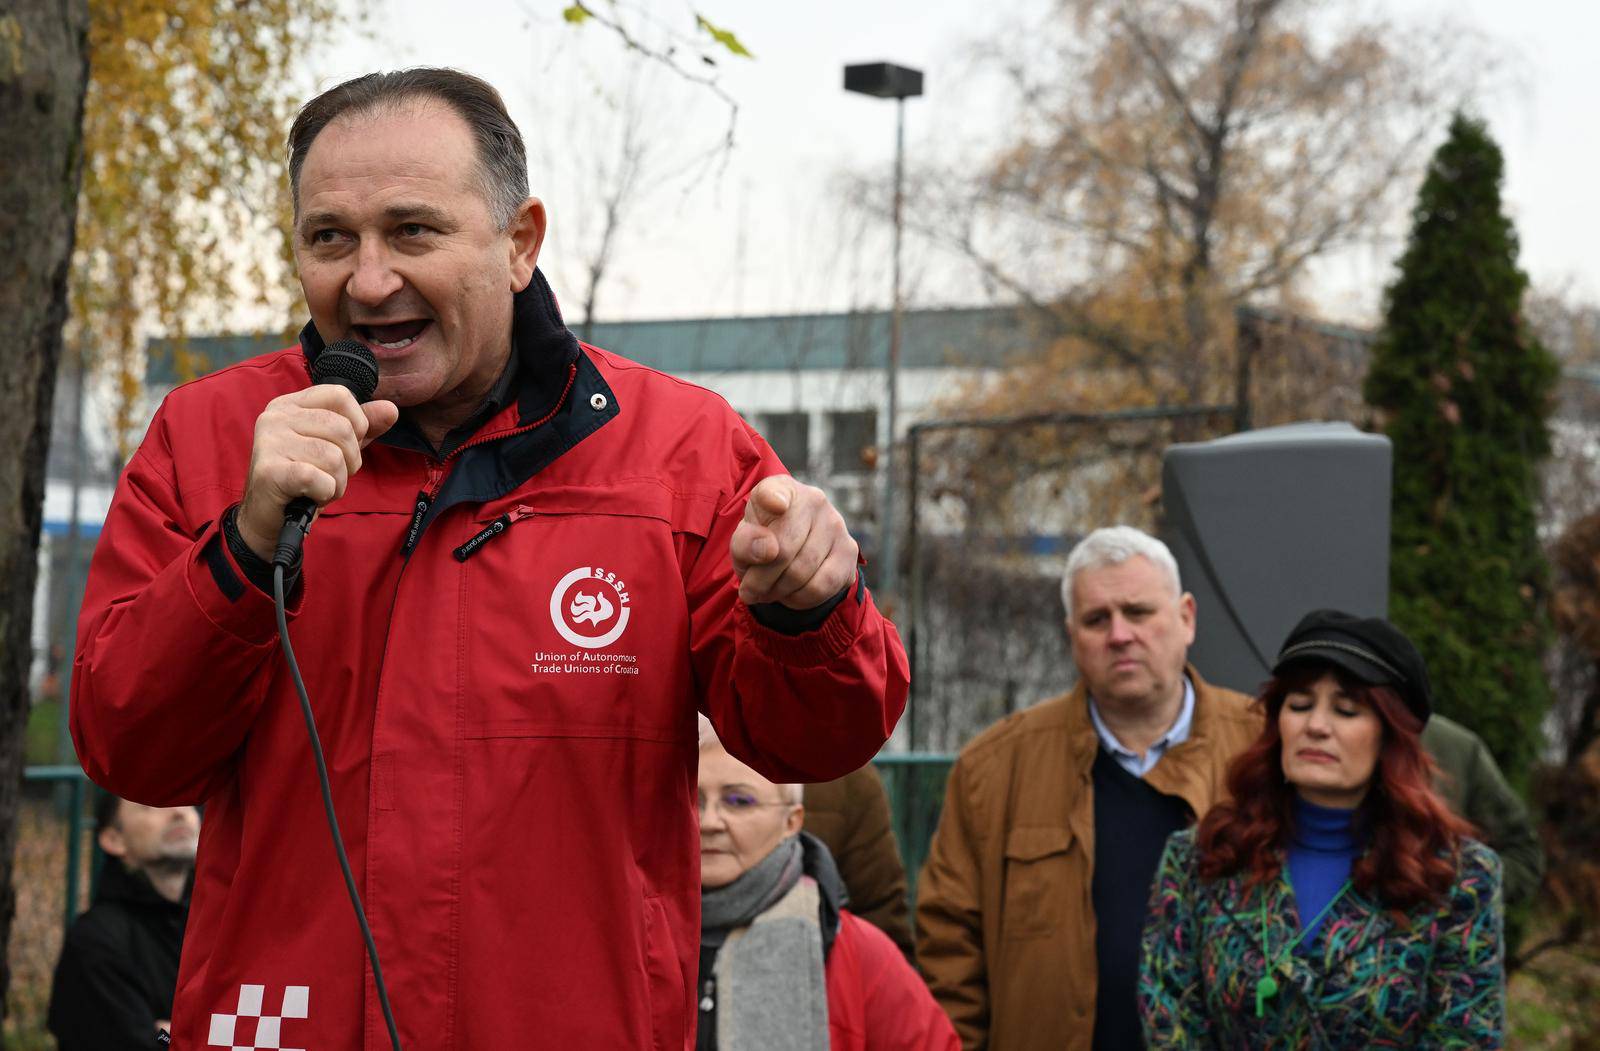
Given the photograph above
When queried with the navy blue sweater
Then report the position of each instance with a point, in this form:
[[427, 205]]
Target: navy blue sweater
[[1132, 821]]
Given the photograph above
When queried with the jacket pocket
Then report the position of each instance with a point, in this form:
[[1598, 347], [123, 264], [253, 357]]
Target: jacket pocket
[[1038, 871], [668, 1002], [579, 625]]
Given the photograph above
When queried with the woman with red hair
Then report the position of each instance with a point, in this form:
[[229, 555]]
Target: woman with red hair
[[1335, 902]]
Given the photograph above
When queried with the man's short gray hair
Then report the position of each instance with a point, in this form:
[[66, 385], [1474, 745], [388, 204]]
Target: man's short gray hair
[[502, 158], [793, 794], [1112, 546]]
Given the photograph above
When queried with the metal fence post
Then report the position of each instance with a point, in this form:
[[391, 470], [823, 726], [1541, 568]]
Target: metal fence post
[[74, 845]]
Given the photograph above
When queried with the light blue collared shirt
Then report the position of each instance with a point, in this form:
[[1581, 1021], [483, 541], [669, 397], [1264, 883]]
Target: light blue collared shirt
[[1139, 765]]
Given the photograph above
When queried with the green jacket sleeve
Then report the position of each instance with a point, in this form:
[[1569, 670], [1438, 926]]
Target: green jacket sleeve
[[1499, 813], [1475, 788]]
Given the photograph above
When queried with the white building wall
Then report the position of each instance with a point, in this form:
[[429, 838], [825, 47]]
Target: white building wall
[[837, 390], [821, 392], [93, 503]]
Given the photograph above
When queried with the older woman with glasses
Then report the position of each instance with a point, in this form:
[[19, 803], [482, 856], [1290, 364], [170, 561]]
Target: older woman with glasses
[[783, 965]]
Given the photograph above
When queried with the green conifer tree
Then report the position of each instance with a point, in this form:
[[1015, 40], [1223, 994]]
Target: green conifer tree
[[1465, 392]]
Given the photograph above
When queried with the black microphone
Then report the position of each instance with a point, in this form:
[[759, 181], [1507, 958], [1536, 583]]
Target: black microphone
[[352, 366]]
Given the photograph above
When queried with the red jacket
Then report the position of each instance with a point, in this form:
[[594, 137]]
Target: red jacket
[[876, 1000], [510, 728]]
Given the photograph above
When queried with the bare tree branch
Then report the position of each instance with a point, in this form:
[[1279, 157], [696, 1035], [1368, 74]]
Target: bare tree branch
[[1180, 157], [663, 46]]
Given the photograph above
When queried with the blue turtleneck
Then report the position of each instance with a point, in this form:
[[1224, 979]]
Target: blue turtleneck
[[1321, 852]]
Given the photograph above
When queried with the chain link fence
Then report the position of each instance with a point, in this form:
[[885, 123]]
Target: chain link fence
[[995, 506]]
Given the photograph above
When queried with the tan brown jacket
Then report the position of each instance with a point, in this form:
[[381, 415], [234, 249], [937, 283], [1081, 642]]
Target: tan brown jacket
[[851, 816], [1005, 928]]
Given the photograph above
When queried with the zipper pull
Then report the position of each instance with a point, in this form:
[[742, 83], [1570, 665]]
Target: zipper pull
[[419, 512], [492, 530]]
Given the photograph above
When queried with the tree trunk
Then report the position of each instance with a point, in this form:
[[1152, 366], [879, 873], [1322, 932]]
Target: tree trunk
[[1247, 342], [44, 69]]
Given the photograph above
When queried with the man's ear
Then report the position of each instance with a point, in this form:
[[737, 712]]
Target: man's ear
[[111, 841], [527, 237]]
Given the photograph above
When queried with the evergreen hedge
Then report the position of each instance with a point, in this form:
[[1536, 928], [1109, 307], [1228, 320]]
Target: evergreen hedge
[[1465, 392]]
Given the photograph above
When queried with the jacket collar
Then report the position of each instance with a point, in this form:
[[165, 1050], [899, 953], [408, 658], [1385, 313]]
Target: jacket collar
[[819, 865], [1084, 740], [1355, 923], [132, 887], [1187, 770], [543, 349]]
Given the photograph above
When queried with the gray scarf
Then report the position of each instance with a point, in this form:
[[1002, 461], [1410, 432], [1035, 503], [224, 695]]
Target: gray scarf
[[772, 994]]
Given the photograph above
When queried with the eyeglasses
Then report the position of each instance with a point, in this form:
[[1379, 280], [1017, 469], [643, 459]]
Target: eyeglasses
[[736, 804]]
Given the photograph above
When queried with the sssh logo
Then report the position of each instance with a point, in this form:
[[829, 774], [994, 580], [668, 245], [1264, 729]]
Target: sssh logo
[[589, 607]]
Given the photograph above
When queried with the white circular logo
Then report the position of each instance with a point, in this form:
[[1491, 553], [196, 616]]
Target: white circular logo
[[590, 607]]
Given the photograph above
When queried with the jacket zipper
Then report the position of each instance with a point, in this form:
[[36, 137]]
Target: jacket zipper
[[438, 469], [425, 498], [492, 530], [435, 481]]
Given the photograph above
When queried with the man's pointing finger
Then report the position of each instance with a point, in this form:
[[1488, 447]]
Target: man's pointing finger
[[769, 500]]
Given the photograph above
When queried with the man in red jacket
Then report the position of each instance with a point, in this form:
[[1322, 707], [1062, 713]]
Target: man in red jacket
[[533, 561]]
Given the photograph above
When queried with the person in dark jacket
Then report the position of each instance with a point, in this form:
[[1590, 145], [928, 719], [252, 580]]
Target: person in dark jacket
[[784, 965], [852, 818], [119, 967]]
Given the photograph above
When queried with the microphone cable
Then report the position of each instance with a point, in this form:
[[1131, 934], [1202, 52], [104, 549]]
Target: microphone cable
[[327, 803]]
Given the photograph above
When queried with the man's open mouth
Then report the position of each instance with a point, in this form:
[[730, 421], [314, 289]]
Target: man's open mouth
[[394, 336]]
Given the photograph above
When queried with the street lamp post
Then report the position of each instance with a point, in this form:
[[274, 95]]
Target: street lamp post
[[887, 81]]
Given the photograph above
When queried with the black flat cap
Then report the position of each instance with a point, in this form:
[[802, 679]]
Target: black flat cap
[[1369, 648]]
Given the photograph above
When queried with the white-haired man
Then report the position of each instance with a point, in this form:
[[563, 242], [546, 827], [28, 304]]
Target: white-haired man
[[1032, 901]]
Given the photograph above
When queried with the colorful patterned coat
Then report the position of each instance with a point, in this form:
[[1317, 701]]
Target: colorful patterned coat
[[1365, 981]]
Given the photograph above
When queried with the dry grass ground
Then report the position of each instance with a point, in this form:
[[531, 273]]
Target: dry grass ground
[[36, 935], [1553, 1000]]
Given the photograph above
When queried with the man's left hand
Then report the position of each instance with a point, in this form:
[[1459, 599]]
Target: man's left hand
[[792, 546]]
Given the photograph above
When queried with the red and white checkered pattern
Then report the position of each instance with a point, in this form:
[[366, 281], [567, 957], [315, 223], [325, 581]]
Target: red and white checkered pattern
[[226, 1030]]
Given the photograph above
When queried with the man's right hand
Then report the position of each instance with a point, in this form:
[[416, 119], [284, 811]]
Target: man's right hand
[[307, 444]]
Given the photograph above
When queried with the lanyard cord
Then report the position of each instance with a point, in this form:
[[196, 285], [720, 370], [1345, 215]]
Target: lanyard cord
[[1267, 987]]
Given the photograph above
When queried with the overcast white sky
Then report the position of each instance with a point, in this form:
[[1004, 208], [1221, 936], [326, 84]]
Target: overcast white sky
[[764, 232]]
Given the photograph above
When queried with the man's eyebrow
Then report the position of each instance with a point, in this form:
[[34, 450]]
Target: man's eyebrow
[[395, 213], [314, 219], [424, 213]]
